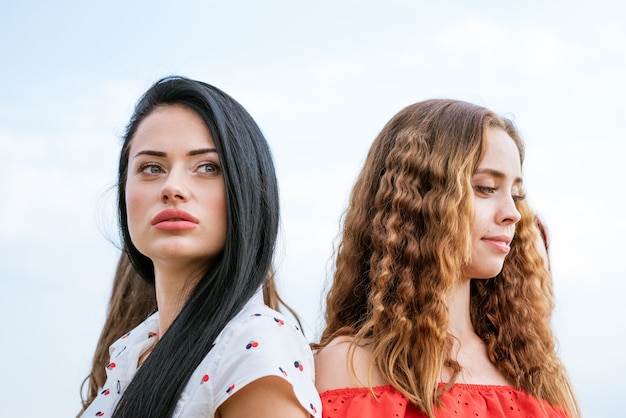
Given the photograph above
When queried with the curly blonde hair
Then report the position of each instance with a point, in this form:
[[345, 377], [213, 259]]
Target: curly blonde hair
[[405, 240]]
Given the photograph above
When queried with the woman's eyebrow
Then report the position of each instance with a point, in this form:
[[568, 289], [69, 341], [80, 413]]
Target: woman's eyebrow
[[163, 154], [150, 152], [201, 151]]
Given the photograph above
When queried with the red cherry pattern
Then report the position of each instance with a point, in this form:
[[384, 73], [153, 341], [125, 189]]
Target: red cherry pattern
[[252, 344]]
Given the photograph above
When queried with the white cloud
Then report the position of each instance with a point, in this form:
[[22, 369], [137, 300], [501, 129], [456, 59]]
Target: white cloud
[[544, 53], [44, 184], [336, 71], [481, 43]]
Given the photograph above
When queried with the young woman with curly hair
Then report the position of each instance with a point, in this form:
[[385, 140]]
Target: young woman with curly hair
[[441, 298]]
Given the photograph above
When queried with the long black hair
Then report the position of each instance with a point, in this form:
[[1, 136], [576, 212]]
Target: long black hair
[[252, 217]]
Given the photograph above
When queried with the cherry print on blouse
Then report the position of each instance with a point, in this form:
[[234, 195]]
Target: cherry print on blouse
[[99, 414], [283, 371], [152, 334], [298, 365], [256, 314], [126, 335], [313, 408], [230, 388], [111, 366], [279, 321], [252, 344], [205, 379], [105, 392]]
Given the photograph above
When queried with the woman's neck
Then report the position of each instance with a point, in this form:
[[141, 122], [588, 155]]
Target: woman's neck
[[468, 349], [458, 301], [172, 286]]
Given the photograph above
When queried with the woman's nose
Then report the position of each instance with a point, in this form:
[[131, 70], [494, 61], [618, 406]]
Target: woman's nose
[[508, 212], [174, 188]]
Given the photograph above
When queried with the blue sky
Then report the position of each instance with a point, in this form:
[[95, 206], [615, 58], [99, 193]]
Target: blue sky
[[321, 79]]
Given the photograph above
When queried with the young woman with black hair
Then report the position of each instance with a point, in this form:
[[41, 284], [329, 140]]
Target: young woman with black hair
[[198, 211]]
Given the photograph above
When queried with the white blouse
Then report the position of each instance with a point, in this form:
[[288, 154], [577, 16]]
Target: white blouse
[[257, 342]]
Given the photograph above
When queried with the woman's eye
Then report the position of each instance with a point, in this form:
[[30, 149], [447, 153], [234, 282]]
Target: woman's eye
[[208, 168], [486, 189], [151, 169]]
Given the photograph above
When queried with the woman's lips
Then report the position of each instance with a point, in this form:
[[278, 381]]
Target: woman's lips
[[174, 220], [501, 243]]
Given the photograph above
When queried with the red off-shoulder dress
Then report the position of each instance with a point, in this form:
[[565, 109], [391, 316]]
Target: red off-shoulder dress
[[462, 400]]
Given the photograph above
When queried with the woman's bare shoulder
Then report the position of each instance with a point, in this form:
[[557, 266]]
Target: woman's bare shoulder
[[333, 366]]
